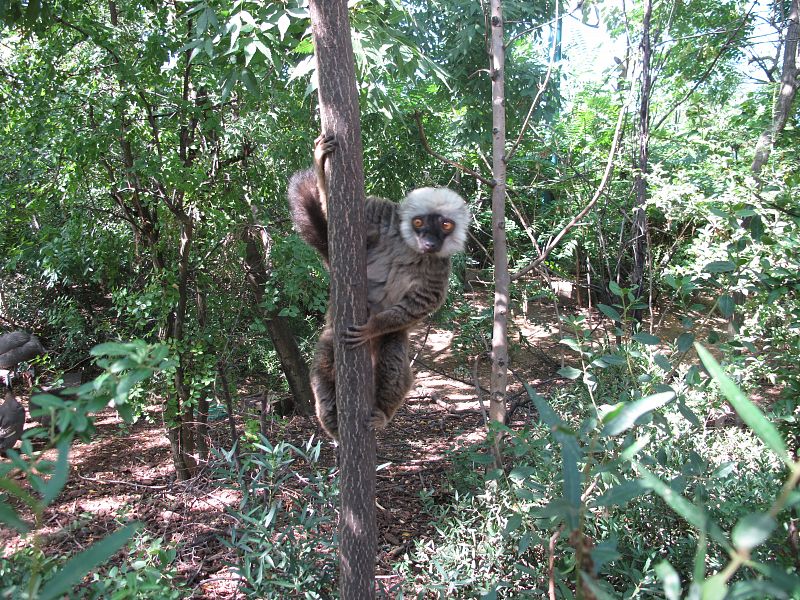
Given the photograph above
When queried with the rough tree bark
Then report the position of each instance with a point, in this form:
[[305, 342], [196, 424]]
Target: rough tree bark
[[639, 229], [182, 431], [781, 111], [786, 92], [497, 401], [257, 245], [338, 98], [201, 430]]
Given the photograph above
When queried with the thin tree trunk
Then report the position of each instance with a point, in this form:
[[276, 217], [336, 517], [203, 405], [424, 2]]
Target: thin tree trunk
[[786, 93], [781, 112], [201, 431], [279, 329], [338, 98], [293, 366], [226, 394], [639, 229], [173, 419], [497, 400], [186, 422]]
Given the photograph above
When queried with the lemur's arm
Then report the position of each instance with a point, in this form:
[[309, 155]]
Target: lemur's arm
[[323, 146]]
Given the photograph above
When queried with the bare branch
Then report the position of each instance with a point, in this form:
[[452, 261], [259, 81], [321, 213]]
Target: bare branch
[[418, 118], [603, 183], [725, 46], [534, 104]]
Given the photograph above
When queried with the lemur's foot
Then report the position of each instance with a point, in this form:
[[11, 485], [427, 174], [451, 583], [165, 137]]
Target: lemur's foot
[[378, 419]]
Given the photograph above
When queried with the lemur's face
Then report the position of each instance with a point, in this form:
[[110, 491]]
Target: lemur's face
[[430, 231], [434, 221]]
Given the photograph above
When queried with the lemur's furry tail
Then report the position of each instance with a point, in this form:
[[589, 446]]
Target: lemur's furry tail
[[308, 214]]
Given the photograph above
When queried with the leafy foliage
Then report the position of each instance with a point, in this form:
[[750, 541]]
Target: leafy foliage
[[140, 140], [125, 365], [285, 547]]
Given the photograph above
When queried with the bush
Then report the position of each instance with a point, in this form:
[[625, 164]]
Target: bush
[[286, 522]]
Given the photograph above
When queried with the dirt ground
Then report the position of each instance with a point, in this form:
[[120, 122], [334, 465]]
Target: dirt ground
[[128, 474]]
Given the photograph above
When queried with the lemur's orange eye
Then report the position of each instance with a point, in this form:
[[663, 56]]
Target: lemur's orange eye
[[417, 222], [448, 226]]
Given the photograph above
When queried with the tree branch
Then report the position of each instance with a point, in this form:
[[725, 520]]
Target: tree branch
[[603, 183], [418, 118], [539, 92], [725, 46]]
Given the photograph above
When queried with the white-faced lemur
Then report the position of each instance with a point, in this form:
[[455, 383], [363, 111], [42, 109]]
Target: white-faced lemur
[[409, 246]]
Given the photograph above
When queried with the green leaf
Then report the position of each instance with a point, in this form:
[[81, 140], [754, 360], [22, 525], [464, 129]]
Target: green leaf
[[748, 411], [570, 456], [714, 588], [752, 530], [283, 24], [47, 401], [726, 306], [15, 490], [573, 344], [719, 266], [605, 552], [74, 570], [546, 413], [778, 575], [207, 47], [758, 589], [521, 473], [670, 578], [57, 480], [615, 289], [625, 418], [246, 77], [227, 87], [636, 447], [250, 49], [514, 522], [110, 349], [622, 493], [9, 516], [756, 227], [612, 359], [127, 382], [570, 372], [202, 23], [722, 471], [688, 414], [610, 312], [32, 11], [482, 459], [647, 339], [594, 586], [662, 362]]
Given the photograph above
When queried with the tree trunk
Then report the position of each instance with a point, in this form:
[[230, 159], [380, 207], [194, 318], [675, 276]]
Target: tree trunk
[[338, 98], [786, 93], [186, 422], [201, 430], [226, 394], [502, 281], [293, 366], [173, 417], [639, 229], [279, 329], [780, 116]]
